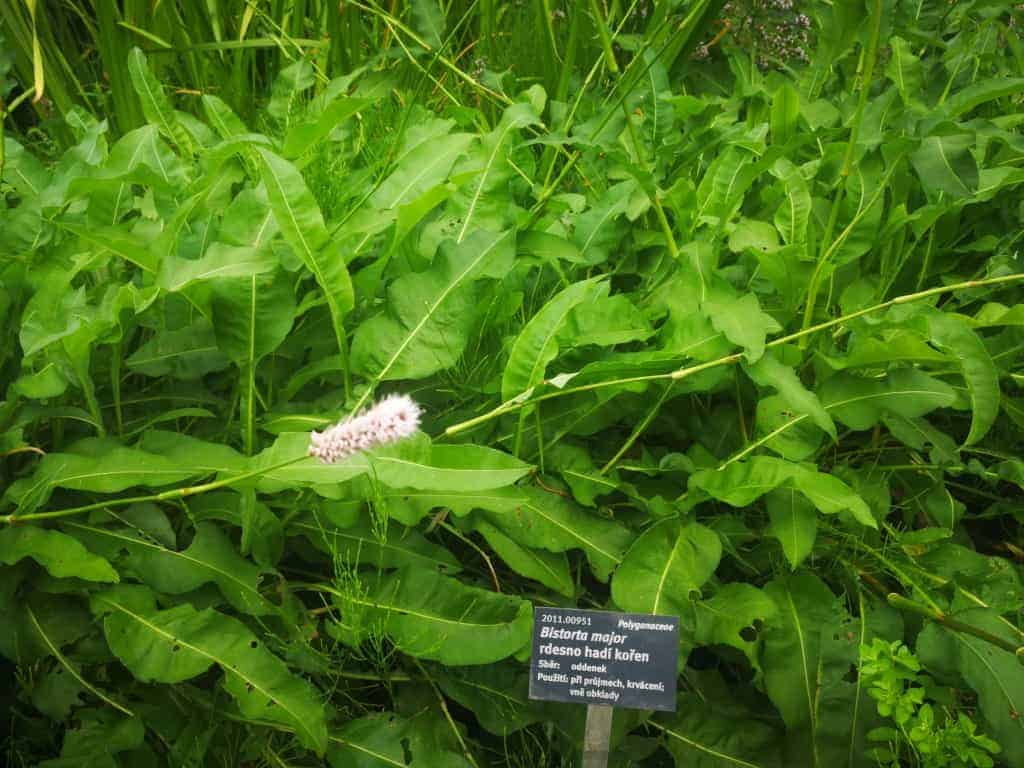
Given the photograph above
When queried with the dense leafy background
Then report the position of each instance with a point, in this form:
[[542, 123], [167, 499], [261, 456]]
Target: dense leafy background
[[714, 311]]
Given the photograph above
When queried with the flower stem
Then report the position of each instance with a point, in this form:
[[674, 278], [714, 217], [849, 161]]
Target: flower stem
[[176, 493], [901, 602], [827, 246], [523, 399]]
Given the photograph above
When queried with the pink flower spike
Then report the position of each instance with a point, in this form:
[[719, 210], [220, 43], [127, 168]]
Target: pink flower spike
[[394, 417]]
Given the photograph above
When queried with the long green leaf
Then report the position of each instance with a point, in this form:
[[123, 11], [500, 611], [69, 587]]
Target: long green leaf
[[537, 343], [430, 314], [209, 558], [180, 643], [59, 553], [966, 347], [155, 105], [431, 616], [664, 567], [302, 225], [531, 517]]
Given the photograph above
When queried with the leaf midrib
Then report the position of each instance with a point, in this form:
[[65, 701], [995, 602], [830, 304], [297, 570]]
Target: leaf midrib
[[174, 553], [431, 309], [300, 722]]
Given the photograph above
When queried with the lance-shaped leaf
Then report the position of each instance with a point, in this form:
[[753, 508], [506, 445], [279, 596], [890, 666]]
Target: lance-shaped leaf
[[952, 332], [359, 544], [198, 456], [860, 403], [451, 468], [743, 482], [61, 555], [897, 345], [905, 71], [537, 343], [496, 694], [741, 320], [436, 617], [429, 21], [549, 568], [546, 521], [702, 736], [374, 741], [62, 619], [209, 558], [251, 317], [733, 616], [430, 314], [946, 164], [793, 647], [489, 161], [978, 92], [219, 261], [809, 648], [388, 740], [769, 371], [303, 136], [422, 169], [302, 225], [598, 228], [155, 105], [221, 117], [794, 522], [187, 353], [180, 643], [412, 462], [533, 518], [664, 567], [94, 464], [793, 215], [101, 736]]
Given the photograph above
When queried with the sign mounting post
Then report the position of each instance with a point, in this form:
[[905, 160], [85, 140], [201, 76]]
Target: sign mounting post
[[597, 735], [605, 660]]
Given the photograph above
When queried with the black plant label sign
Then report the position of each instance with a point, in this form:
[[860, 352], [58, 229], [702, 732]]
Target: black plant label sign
[[625, 660]]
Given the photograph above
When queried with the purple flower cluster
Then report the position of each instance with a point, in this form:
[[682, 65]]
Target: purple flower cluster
[[394, 417], [773, 28]]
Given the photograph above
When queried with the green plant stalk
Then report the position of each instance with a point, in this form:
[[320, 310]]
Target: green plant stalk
[[522, 400], [699, 747], [761, 441], [177, 493], [901, 602], [397, 26], [894, 568], [927, 262], [447, 714], [659, 210], [70, 669], [543, 9], [115, 385], [639, 430], [826, 245], [606, 40], [5, 110], [550, 186]]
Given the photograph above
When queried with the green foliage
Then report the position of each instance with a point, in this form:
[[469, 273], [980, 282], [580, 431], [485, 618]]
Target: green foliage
[[705, 320], [892, 675]]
